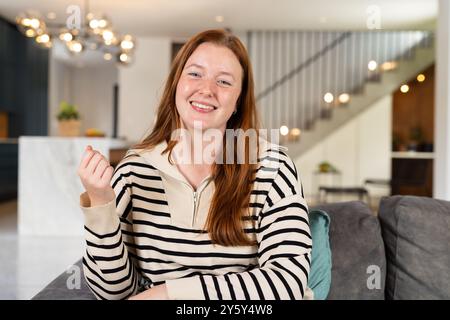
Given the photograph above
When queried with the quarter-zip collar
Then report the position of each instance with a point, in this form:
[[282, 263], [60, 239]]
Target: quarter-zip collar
[[188, 207], [160, 161]]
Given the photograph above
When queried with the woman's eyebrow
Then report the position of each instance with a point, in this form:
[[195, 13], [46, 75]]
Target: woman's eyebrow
[[195, 65], [201, 67]]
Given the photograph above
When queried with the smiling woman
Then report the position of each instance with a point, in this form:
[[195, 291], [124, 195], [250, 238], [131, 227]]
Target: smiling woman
[[211, 84], [158, 228]]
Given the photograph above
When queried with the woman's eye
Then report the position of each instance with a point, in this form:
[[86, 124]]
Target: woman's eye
[[194, 74], [223, 82]]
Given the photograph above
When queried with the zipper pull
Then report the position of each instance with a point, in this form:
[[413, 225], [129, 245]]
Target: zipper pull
[[195, 198], [195, 207]]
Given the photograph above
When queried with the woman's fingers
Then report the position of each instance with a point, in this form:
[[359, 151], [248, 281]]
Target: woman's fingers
[[90, 169], [107, 175], [96, 173], [88, 154], [100, 169]]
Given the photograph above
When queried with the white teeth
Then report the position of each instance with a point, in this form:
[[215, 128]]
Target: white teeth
[[202, 106]]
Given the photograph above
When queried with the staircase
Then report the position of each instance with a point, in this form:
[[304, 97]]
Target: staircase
[[373, 91], [291, 88]]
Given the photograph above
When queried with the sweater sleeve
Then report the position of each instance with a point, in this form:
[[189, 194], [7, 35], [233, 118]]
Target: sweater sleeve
[[108, 269], [284, 251]]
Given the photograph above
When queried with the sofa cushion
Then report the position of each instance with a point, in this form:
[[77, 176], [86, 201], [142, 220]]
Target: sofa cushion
[[417, 239], [320, 274], [357, 252]]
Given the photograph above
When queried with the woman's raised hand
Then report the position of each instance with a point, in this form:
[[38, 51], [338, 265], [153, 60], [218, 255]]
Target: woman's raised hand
[[95, 173]]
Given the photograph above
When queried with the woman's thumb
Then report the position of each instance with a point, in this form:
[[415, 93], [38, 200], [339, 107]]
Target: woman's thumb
[[88, 148]]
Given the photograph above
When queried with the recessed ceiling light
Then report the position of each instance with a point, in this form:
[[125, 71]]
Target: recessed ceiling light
[[389, 65], [296, 132], [404, 88], [284, 130], [219, 19], [372, 65], [328, 97], [51, 15], [344, 98], [421, 78]]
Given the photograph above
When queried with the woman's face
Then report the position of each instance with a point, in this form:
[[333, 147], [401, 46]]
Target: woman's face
[[209, 87]]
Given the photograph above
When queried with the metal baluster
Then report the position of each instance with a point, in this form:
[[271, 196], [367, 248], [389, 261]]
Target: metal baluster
[[308, 78], [345, 65], [272, 77], [279, 105], [318, 96], [336, 65], [386, 47], [314, 45], [303, 81], [377, 47], [363, 64], [353, 62], [288, 65], [261, 75], [292, 89], [412, 45], [329, 65]]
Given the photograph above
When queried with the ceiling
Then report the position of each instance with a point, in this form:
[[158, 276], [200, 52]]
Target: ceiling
[[182, 18]]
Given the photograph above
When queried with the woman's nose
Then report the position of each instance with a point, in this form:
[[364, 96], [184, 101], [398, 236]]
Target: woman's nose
[[207, 87]]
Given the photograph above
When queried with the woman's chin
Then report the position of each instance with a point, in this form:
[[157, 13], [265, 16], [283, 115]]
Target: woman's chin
[[201, 124]]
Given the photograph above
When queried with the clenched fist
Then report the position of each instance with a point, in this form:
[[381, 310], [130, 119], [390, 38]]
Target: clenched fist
[[95, 173]]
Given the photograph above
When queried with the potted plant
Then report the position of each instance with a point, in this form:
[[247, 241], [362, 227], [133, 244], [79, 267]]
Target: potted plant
[[326, 167], [68, 120], [416, 138]]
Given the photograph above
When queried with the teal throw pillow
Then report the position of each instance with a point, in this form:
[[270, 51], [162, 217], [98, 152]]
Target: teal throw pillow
[[320, 274]]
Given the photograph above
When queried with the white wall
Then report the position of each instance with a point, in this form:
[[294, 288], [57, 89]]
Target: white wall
[[90, 88], [441, 167], [140, 86], [92, 91], [360, 149], [59, 87]]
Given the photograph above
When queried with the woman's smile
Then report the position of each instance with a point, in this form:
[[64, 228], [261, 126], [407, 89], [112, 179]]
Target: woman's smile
[[202, 107]]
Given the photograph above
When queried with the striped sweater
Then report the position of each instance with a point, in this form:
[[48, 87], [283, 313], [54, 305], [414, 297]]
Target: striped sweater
[[153, 233]]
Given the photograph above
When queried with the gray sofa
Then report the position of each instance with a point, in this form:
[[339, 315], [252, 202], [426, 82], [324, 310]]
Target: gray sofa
[[403, 253]]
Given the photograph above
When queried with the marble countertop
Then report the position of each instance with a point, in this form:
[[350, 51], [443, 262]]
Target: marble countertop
[[49, 186]]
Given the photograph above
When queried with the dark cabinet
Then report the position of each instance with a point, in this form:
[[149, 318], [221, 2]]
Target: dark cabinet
[[23, 98], [412, 176], [8, 170]]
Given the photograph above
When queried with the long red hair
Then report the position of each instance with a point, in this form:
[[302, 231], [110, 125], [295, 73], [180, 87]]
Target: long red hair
[[233, 182]]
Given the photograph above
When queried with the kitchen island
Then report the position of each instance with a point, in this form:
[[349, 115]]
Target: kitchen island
[[49, 186]]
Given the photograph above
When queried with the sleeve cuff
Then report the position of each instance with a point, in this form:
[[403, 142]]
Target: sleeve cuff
[[102, 219], [185, 289]]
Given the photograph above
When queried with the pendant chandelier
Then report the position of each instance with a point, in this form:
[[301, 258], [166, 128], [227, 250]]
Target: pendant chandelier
[[94, 32]]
